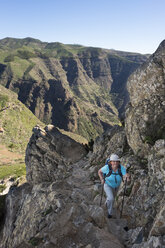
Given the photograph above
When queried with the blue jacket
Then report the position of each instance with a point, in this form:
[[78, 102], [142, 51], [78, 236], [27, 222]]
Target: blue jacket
[[114, 180]]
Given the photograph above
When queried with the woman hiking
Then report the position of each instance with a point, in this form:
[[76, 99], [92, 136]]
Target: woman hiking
[[111, 175]]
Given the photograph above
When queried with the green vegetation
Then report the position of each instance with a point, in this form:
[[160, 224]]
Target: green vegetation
[[128, 190], [74, 136], [60, 50], [14, 170], [87, 129], [17, 123], [3, 55], [25, 54], [118, 58], [16, 120], [13, 43], [66, 50], [149, 140], [29, 68], [9, 58], [32, 60], [3, 101], [58, 53], [34, 241], [47, 211], [155, 135], [18, 67], [87, 97], [2, 187]]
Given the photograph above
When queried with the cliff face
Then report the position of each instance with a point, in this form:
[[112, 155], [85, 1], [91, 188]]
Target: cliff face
[[121, 70], [145, 116], [68, 86]]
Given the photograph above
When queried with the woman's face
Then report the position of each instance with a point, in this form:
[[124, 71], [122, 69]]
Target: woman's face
[[115, 164]]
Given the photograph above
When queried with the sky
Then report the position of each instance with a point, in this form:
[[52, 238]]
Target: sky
[[126, 25]]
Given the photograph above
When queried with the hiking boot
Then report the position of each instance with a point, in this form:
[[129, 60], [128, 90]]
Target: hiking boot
[[109, 216]]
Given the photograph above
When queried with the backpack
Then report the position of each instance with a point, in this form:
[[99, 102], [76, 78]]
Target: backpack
[[113, 173]]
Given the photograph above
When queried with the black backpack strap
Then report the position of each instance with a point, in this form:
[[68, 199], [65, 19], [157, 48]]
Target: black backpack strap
[[110, 171], [119, 171]]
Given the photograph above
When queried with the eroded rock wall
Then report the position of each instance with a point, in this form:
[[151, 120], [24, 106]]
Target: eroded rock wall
[[145, 115], [48, 154]]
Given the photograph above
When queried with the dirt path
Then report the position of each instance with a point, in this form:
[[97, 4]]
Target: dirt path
[[8, 157]]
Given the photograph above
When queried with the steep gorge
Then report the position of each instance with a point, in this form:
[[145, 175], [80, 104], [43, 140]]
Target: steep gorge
[[72, 87]]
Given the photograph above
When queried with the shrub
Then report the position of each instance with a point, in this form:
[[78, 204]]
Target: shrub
[[23, 54], [35, 241], [9, 58], [3, 101], [2, 188]]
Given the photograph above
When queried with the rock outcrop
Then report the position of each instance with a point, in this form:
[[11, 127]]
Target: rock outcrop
[[145, 116], [54, 151]]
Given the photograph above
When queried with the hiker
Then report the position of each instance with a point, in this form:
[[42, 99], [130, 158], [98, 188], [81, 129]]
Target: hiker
[[111, 175]]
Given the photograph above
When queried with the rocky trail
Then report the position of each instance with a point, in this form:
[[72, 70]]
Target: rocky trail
[[80, 180], [69, 211], [59, 206]]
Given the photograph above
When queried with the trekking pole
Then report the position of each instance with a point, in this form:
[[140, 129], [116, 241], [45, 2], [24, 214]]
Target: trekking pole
[[123, 198], [102, 192]]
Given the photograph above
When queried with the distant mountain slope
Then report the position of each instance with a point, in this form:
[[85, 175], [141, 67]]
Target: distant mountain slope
[[68, 85], [16, 121]]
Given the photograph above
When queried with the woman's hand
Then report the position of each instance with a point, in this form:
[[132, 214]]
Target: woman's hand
[[102, 181], [101, 176], [127, 176]]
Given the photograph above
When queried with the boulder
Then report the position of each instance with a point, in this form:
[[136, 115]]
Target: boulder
[[48, 154]]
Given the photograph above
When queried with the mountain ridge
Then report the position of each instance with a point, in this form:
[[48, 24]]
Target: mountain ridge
[[34, 40]]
